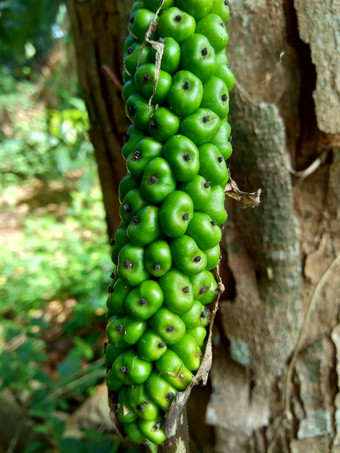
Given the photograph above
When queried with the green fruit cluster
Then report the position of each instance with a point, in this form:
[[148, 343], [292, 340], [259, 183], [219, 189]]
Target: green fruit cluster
[[172, 207]]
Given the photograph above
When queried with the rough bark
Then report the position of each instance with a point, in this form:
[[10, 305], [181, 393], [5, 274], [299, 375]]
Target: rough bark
[[276, 388], [276, 369]]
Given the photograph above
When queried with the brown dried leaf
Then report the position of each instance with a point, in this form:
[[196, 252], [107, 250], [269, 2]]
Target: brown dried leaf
[[159, 48], [247, 200]]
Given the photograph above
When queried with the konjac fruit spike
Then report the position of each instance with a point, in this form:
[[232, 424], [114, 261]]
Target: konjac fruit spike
[[163, 295]]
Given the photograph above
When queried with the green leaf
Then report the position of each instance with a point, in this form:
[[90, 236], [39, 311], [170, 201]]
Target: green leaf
[[84, 349], [96, 441], [35, 446], [78, 103], [41, 405], [70, 364], [68, 444]]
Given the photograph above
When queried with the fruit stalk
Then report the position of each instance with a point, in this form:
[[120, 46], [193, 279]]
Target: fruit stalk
[[180, 441], [165, 283]]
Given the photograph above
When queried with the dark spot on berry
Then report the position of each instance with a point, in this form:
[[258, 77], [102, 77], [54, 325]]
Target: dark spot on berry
[[130, 50], [185, 216], [145, 403], [204, 51], [128, 264], [186, 85], [135, 219], [126, 137], [142, 301], [112, 275], [140, 407], [161, 345], [187, 156], [110, 289], [230, 139], [213, 223], [186, 289], [171, 329], [120, 328], [229, 65], [153, 124], [224, 97], [226, 2], [222, 24], [220, 159], [203, 289], [131, 110], [157, 267], [178, 18], [146, 77], [206, 119], [197, 259], [123, 369], [207, 185], [205, 314], [126, 207], [136, 155], [153, 180], [170, 396]]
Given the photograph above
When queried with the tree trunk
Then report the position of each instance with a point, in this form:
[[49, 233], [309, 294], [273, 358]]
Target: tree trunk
[[99, 29], [276, 368]]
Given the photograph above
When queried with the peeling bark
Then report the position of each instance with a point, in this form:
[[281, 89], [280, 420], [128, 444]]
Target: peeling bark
[[262, 323]]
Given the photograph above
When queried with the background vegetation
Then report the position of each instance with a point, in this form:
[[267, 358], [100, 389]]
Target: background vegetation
[[54, 254]]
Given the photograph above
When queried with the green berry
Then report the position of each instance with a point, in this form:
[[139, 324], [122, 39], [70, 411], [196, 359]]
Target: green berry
[[176, 24], [168, 325]]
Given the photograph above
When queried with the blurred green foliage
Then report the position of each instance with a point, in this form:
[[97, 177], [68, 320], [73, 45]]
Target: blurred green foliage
[[28, 29], [60, 259], [55, 271], [40, 142]]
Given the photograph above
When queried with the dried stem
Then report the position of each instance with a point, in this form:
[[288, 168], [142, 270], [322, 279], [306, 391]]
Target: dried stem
[[179, 442]]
